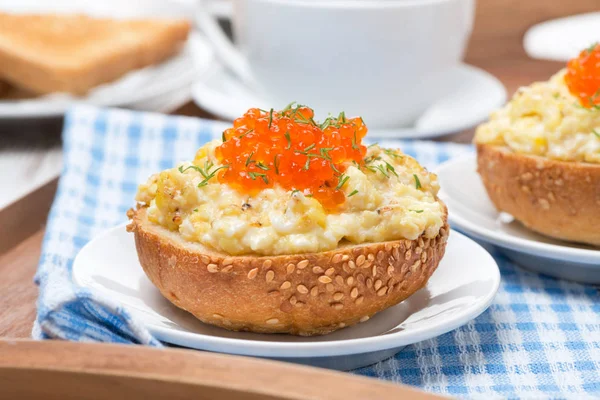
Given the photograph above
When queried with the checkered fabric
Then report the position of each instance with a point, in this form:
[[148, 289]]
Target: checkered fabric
[[540, 338]]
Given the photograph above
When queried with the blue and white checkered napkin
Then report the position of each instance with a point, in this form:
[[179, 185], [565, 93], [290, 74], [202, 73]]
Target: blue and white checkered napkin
[[540, 338]]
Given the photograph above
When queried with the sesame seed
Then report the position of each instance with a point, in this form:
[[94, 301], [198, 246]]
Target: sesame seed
[[354, 293], [380, 255], [218, 316], [267, 263], [329, 287], [350, 280], [382, 291], [418, 250], [285, 285], [415, 266], [338, 296], [337, 306], [299, 304], [408, 254], [324, 279], [374, 270], [345, 257], [314, 291], [339, 280], [205, 259], [303, 264], [369, 283], [360, 260], [317, 270], [352, 264], [270, 276], [378, 284], [290, 268], [424, 257], [396, 253], [227, 269], [293, 300], [212, 268], [272, 321], [302, 289], [359, 300], [330, 271], [336, 258], [252, 273], [364, 319]]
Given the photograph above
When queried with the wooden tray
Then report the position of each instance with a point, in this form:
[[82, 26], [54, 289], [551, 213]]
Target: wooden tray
[[64, 370]]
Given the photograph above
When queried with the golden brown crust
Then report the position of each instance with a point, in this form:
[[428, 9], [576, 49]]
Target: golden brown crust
[[303, 294], [74, 53], [556, 198]]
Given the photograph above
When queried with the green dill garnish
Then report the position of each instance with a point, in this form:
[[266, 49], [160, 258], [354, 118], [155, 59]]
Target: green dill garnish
[[392, 153], [372, 144], [295, 191], [353, 193], [312, 146], [354, 146], [262, 166], [195, 210], [223, 137], [389, 167], [342, 117], [249, 160], [417, 181], [381, 169], [556, 95], [308, 195], [325, 152], [289, 140], [306, 164], [276, 164], [254, 175], [337, 171], [270, 118], [342, 181], [592, 47], [417, 211], [247, 132], [288, 107], [596, 133], [205, 171], [326, 123]]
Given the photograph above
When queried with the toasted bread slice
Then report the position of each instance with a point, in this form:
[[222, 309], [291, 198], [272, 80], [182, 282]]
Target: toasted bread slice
[[560, 199], [301, 294], [74, 53]]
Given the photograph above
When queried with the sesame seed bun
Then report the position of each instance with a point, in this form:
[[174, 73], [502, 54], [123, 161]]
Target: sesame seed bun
[[300, 294], [560, 199]]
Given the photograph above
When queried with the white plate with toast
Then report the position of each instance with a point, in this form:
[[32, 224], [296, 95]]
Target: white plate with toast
[[135, 87], [471, 211], [462, 287]]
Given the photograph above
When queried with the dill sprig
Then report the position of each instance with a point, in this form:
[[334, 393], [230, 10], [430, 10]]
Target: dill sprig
[[417, 181], [353, 193], [205, 171], [342, 180], [253, 175]]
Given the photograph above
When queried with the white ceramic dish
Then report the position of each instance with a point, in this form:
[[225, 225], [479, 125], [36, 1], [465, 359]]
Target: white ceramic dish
[[136, 87], [563, 38], [471, 211], [474, 95], [463, 286]]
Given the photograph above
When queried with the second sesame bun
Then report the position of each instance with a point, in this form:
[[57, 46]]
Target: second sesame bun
[[560, 199], [300, 294]]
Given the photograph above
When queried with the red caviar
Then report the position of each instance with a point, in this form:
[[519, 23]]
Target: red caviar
[[288, 148], [583, 76]]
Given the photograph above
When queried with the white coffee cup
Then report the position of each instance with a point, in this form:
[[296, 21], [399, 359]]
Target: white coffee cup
[[386, 60]]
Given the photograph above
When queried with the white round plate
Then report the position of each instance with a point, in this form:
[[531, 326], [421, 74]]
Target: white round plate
[[135, 87], [475, 94], [471, 211], [463, 287], [562, 39]]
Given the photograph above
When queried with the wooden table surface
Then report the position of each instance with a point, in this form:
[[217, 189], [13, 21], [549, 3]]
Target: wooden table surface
[[18, 263]]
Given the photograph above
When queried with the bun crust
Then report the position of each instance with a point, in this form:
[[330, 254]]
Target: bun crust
[[300, 294], [555, 198]]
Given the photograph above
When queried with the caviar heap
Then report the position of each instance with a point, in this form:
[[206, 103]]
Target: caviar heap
[[288, 148], [583, 76]]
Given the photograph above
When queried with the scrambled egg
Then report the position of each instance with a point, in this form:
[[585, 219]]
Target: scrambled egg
[[377, 208], [545, 119]]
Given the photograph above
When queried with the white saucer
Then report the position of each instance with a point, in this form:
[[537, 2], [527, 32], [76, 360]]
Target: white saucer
[[563, 38], [136, 87], [471, 211], [476, 94], [463, 287]]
